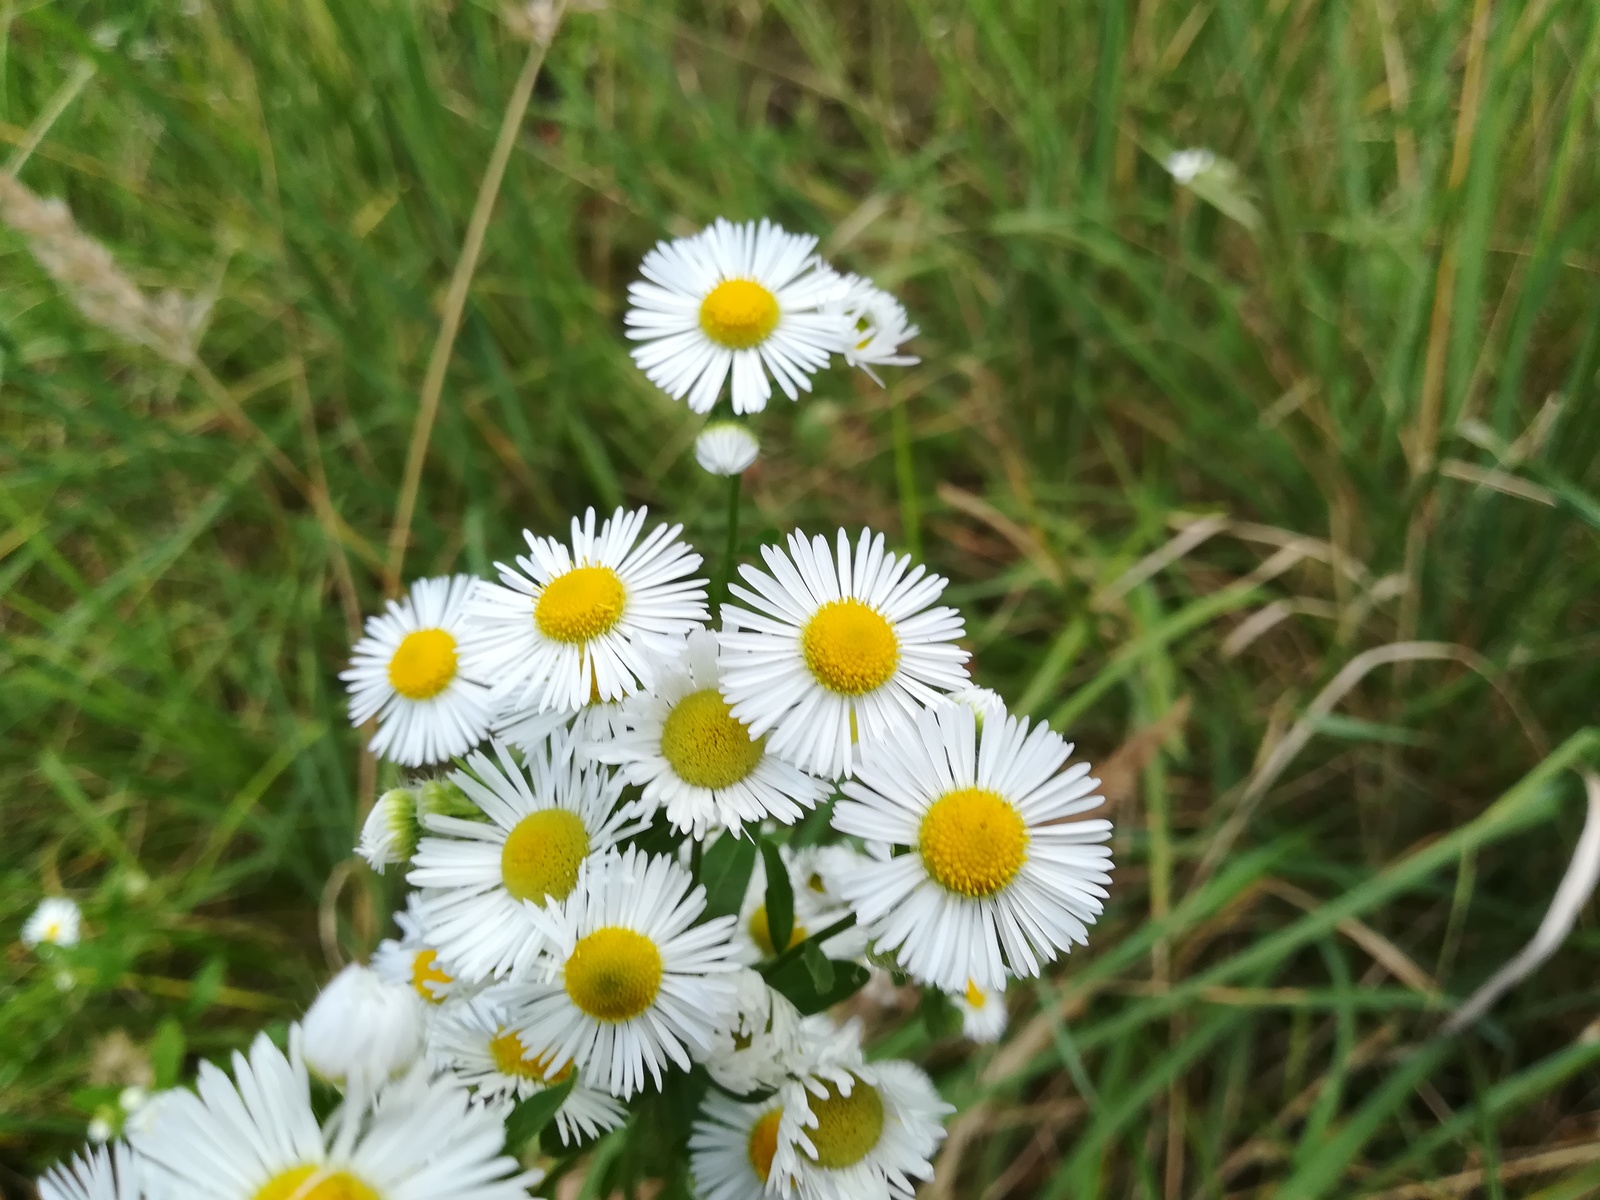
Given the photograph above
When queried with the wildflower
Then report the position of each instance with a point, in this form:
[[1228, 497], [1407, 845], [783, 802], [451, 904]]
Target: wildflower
[[983, 1012], [726, 448], [732, 1146], [823, 654], [1188, 165], [596, 611], [756, 1045], [57, 921], [363, 1030], [1000, 880], [407, 672], [389, 834], [750, 301], [877, 327], [412, 960]]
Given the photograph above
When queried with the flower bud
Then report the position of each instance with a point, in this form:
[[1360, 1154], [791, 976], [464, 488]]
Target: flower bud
[[362, 1030]]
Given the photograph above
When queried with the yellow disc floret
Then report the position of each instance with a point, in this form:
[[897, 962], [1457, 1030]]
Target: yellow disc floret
[[424, 664], [848, 1127], [739, 314], [315, 1182], [511, 1058], [424, 971], [580, 605], [704, 745], [973, 841], [542, 854], [850, 648], [761, 932], [613, 974], [975, 994], [764, 1143]]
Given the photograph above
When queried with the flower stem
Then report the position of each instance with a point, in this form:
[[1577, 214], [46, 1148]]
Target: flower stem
[[731, 551]]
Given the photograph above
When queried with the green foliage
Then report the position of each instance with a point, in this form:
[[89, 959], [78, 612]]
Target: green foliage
[[1384, 391]]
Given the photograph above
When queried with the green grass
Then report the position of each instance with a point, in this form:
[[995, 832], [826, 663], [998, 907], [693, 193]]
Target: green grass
[[1104, 355]]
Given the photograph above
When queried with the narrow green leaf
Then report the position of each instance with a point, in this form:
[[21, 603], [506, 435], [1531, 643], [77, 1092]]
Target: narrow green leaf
[[533, 1114], [725, 871], [780, 898]]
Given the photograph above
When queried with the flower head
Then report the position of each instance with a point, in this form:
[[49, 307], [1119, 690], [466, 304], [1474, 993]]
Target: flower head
[[412, 959], [726, 448], [983, 1012], [877, 327], [363, 1030], [57, 921]]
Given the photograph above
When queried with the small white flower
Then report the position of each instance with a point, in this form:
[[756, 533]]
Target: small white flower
[[407, 672], [999, 879], [877, 327], [747, 300], [100, 1131], [389, 834], [362, 1030], [256, 1137], [694, 759], [633, 980], [412, 960], [132, 1098], [984, 703], [1188, 165], [732, 1146], [756, 1046], [983, 1012], [57, 921], [726, 448], [834, 645], [113, 1173], [567, 626]]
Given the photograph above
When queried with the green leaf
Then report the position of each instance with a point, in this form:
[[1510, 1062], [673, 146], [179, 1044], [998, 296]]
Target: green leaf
[[780, 898], [208, 982], [533, 1114], [166, 1053], [726, 873], [813, 982]]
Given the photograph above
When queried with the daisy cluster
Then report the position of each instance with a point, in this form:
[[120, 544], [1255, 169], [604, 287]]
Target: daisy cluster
[[650, 849]]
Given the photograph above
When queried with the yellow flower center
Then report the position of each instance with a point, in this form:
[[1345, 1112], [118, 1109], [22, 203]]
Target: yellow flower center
[[848, 1127], [704, 745], [975, 994], [762, 932], [542, 854], [738, 314], [425, 970], [850, 648], [580, 605], [511, 1058], [973, 841], [764, 1143], [613, 974], [424, 664], [315, 1182]]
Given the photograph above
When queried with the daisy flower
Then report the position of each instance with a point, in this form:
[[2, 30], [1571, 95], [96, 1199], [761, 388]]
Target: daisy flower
[[984, 703], [633, 981], [694, 759], [832, 646], [747, 300], [732, 1146], [819, 870], [57, 921], [389, 834], [726, 448], [814, 911], [851, 1128], [407, 672], [472, 1041], [102, 1174], [877, 326], [411, 959], [1188, 165], [983, 1012], [255, 1137], [594, 724], [363, 1030], [546, 817], [755, 1046], [595, 611], [1000, 879]]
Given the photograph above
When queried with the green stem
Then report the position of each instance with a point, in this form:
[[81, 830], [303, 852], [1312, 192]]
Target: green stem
[[731, 551], [798, 948], [906, 479]]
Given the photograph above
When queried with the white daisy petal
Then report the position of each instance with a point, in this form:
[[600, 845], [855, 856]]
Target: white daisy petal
[[105, 1173], [412, 960], [878, 326], [732, 1146], [999, 881]]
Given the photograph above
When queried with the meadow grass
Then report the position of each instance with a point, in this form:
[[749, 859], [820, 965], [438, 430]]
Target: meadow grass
[[1363, 404]]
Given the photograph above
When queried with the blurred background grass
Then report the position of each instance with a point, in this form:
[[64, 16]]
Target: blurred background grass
[[1363, 404]]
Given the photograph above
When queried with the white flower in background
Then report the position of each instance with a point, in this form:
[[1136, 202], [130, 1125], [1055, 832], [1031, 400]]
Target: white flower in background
[[112, 1173], [546, 817], [999, 879], [412, 960], [526, 729], [407, 672], [472, 1041], [983, 1012], [756, 1045], [633, 982], [743, 300], [100, 1131], [876, 327], [832, 647], [984, 703], [255, 1137], [814, 911], [56, 921], [1188, 165], [389, 834], [568, 626], [363, 1030], [696, 761], [732, 1147], [818, 871], [851, 1128], [726, 448]]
